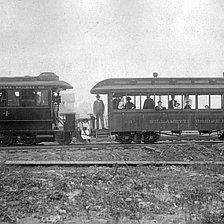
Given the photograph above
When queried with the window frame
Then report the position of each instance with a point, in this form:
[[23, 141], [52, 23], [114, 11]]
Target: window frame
[[48, 92]]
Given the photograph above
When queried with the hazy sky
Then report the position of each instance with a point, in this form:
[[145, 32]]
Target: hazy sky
[[85, 41]]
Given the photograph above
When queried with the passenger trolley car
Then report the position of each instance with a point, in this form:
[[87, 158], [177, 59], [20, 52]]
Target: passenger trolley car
[[174, 105], [29, 110]]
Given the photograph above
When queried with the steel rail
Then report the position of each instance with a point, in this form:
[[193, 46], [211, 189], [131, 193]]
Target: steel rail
[[111, 163], [103, 144]]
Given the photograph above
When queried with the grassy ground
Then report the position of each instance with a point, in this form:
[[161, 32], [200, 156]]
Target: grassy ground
[[112, 195]]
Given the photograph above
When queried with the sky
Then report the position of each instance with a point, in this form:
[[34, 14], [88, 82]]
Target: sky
[[86, 41]]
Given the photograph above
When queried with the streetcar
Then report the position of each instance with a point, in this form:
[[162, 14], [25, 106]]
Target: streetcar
[[197, 106], [29, 110]]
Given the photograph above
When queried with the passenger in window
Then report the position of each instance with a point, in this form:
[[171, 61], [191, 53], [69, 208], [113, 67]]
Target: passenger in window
[[2, 99], [149, 103], [172, 103], [187, 99], [28, 98], [129, 104], [159, 106], [121, 104], [187, 106], [206, 107], [37, 98], [116, 101], [177, 106]]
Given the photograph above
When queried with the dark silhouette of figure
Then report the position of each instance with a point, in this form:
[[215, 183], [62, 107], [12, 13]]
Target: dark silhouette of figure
[[116, 101], [172, 103], [129, 104], [149, 103], [187, 106], [98, 110]]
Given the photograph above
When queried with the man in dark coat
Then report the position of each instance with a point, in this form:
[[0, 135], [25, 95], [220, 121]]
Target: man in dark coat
[[172, 103], [149, 103], [98, 111], [116, 101], [129, 104]]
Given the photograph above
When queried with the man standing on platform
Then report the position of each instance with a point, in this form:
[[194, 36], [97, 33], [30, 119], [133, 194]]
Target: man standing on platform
[[98, 110]]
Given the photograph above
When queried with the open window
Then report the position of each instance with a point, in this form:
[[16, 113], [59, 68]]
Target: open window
[[161, 100], [148, 101], [3, 98], [41, 98], [189, 102], [175, 102], [33, 98], [118, 102], [130, 102], [215, 101], [13, 98], [203, 102]]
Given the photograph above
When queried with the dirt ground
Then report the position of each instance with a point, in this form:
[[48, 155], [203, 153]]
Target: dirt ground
[[77, 195], [112, 195], [156, 152]]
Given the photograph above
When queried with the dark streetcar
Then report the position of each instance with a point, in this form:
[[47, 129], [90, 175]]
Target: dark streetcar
[[29, 110], [152, 106]]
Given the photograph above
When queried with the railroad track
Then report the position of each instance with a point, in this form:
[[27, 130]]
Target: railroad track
[[97, 146], [56, 155], [113, 163]]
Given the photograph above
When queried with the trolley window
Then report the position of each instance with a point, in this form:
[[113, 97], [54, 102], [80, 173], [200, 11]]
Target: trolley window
[[189, 102], [161, 101], [118, 102], [33, 98], [130, 102], [42, 98], [203, 102], [216, 101], [148, 102], [13, 98], [175, 102], [3, 98]]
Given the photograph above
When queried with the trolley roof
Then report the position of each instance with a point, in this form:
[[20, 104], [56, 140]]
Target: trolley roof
[[46, 80], [159, 85]]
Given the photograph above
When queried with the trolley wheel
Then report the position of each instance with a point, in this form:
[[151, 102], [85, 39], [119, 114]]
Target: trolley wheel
[[125, 138], [28, 140], [66, 140], [138, 138], [6, 140], [151, 137]]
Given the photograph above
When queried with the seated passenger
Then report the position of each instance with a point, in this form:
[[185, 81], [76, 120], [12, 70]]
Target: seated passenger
[[116, 101], [187, 106], [177, 106], [187, 98], [172, 103], [149, 103], [206, 107], [85, 130], [121, 104], [129, 104], [159, 106]]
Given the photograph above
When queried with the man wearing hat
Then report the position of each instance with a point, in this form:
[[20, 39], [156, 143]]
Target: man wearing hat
[[129, 104], [98, 110], [159, 106]]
